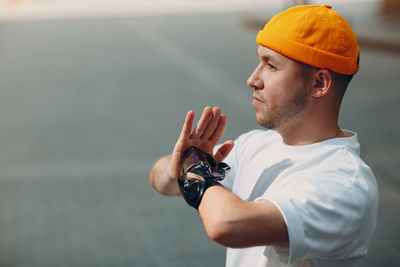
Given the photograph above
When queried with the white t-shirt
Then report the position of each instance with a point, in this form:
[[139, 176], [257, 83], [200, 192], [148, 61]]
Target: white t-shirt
[[327, 195]]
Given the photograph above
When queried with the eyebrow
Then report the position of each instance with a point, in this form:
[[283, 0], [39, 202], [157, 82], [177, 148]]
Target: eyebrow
[[267, 58]]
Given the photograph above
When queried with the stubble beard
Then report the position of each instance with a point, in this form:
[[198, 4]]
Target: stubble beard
[[278, 116]]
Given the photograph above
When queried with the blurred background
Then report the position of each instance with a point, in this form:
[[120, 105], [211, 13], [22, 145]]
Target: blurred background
[[93, 92]]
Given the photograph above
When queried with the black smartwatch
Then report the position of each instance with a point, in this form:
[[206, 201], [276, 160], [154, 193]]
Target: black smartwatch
[[200, 171]]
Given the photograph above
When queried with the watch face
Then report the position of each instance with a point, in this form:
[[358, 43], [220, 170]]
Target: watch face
[[193, 191], [192, 187]]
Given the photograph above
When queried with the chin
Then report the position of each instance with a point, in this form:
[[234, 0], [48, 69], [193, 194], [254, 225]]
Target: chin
[[263, 122]]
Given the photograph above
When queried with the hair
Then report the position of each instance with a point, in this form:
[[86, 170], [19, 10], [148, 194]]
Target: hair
[[341, 82]]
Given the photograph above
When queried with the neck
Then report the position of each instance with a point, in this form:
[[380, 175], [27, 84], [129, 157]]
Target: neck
[[309, 137], [308, 129]]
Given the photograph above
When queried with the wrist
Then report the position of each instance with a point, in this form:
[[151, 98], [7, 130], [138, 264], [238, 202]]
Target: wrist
[[172, 172], [193, 187], [199, 173]]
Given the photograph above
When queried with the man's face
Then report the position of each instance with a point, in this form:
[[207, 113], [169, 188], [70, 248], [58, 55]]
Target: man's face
[[281, 88]]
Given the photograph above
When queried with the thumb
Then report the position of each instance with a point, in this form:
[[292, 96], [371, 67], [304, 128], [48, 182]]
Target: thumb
[[224, 150]]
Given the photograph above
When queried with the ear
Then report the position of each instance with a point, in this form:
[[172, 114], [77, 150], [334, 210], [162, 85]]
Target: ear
[[322, 83]]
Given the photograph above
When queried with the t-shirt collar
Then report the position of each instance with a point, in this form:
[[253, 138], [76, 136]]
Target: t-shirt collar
[[301, 152]]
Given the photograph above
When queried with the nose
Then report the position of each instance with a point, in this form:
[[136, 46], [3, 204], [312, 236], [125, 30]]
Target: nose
[[255, 81]]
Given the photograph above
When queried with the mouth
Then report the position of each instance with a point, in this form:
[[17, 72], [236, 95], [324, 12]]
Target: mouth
[[256, 99]]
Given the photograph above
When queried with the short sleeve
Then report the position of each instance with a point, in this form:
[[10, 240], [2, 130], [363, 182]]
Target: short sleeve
[[326, 216]]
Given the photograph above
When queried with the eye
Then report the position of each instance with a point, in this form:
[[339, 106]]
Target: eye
[[271, 66]]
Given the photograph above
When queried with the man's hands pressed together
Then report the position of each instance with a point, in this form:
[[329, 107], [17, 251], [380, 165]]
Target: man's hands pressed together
[[205, 135]]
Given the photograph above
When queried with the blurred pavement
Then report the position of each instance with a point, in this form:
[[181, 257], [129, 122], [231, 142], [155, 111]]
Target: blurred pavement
[[87, 106]]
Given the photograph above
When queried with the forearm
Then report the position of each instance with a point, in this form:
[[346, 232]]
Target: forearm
[[233, 222], [161, 180], [227, 219]]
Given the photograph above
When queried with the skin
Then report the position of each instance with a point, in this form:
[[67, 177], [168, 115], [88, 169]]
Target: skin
[[278, 95], [296, 101]]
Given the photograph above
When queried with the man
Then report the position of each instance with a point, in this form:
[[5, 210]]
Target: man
[[297, 194]]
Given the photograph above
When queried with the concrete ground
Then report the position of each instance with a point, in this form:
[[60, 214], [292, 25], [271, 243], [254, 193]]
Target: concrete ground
[[87, 106]]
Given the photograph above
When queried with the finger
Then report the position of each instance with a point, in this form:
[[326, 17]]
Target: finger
[[187, 125], [224, 150], [181, 145], [213, 123], [202, 124], [219, 130], [184, 136]]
